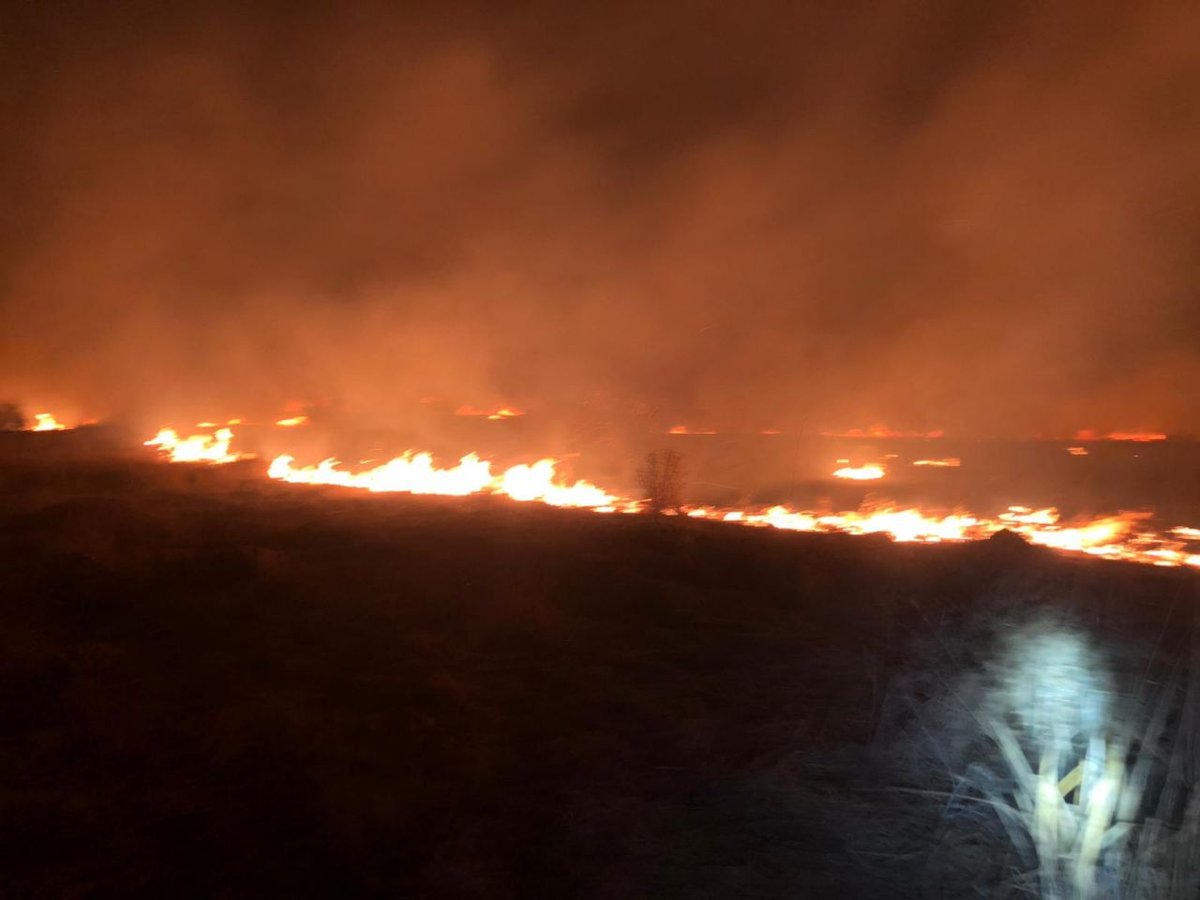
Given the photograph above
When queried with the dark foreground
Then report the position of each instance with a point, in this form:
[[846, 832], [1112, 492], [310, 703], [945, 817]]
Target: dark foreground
[[216, 686]]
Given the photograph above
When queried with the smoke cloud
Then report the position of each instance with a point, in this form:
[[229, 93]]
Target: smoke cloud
[[982, 218]]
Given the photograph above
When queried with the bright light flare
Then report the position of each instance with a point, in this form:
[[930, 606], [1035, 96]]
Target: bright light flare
[[951, 462], [293, 422]]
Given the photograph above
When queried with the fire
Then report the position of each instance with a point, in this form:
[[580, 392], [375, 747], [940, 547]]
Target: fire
[[44, 421], [207, 448], [292, 422], [869, 472], [882, 431], [1078, 451], [504, 412], [951, 462], [415, 473], [1109, 537], [683, 429], [1123, 536], [1137, 436]]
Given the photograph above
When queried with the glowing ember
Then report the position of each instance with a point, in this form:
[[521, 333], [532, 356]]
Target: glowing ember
[[46, 422], [206, 448], [683, 429], [415, 473], [293, 422], [869, 472], [952, 462], [1078, 451]]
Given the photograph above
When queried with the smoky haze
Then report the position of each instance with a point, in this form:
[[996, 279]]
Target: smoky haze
[[974, 217]]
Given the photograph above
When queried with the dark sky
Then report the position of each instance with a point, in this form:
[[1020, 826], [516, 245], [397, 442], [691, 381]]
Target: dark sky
[[931, 214]]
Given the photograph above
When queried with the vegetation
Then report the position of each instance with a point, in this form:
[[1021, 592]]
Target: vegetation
[[219, 687]]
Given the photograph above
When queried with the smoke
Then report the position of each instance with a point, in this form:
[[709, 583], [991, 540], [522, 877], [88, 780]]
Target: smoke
[[980, 218]]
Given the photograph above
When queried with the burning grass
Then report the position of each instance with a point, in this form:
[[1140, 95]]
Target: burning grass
[[223, 685]]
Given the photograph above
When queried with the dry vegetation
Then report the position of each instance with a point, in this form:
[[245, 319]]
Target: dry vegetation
[[217, 686]]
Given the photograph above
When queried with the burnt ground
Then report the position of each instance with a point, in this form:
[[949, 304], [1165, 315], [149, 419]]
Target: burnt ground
[[217, 686]]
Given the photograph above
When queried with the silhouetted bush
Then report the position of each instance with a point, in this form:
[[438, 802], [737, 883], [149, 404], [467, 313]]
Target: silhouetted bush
[[11, 418], [661, 478]]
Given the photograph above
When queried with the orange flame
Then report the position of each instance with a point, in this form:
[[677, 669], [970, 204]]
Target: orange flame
[[1138, 436], [205, 448], [882, 431], [293, 422], [683, 429], [951, 462], [869, 472], [415, 473], [46, 422], [1078, 451], [505, 412]]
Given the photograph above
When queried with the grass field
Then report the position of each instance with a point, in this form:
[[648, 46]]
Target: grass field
[[217, 686]]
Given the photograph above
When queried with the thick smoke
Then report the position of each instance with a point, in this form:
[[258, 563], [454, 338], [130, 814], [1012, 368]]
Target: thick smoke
[[975, 217]]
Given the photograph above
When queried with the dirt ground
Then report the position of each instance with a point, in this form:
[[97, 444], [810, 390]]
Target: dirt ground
[[215, 686]]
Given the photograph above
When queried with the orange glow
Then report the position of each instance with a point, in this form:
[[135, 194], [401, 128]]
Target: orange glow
[[293, 422], [1078, 451], [206, 448], [1121, 536], [768, 431], [415, 473], [951, 462], [46, 422], [505, 412], [869, 472], [683, 429], [1137, 436], [882, 431]]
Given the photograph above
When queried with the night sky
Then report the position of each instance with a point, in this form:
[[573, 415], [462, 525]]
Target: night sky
[[977, 217]]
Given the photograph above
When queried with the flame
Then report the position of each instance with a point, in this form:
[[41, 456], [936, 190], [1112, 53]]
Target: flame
[[415, 473], [293, 422], [1122, 536], [1138, 436], [951, 462], [1078, 451], [505, 412], [869, 472], [207, 448], [882, 431], [683, 429], [1109, 537], [45, 422]]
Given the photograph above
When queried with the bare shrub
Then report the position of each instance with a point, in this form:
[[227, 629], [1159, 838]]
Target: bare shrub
[[661, 478]]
